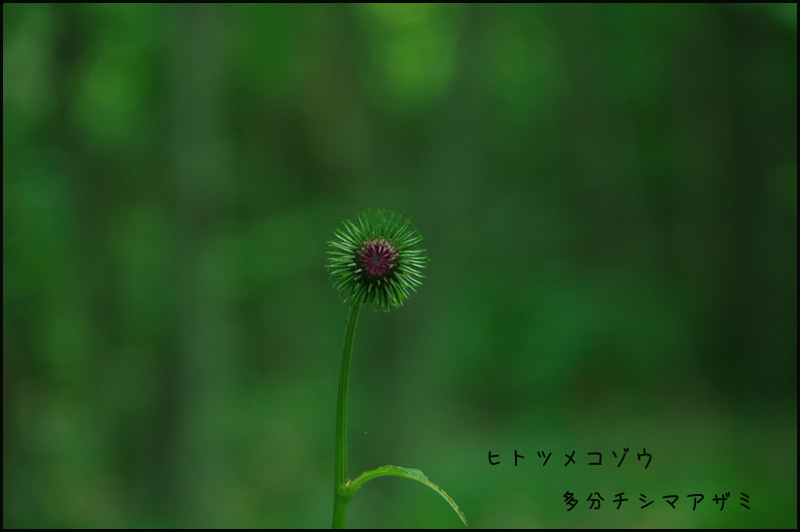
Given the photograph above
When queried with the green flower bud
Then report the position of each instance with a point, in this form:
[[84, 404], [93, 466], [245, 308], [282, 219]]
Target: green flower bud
[[373, 260]]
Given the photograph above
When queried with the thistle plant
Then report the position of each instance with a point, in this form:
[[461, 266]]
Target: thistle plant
[[373, 264]]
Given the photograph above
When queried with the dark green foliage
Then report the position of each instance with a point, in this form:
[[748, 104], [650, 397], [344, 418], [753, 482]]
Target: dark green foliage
[[608, 194]]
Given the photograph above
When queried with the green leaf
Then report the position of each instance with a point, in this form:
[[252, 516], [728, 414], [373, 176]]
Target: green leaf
[[413, 474]]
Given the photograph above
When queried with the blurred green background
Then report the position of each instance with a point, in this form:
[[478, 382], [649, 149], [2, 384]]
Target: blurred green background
[[607, 195]]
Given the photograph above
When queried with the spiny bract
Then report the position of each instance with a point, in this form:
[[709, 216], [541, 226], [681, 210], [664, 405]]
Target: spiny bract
[[373, 260]]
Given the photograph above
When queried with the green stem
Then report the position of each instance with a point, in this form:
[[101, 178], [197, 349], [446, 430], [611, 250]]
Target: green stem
[[341, 495]]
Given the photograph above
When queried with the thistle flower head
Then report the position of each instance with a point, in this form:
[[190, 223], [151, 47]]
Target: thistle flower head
[[373, 260]]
